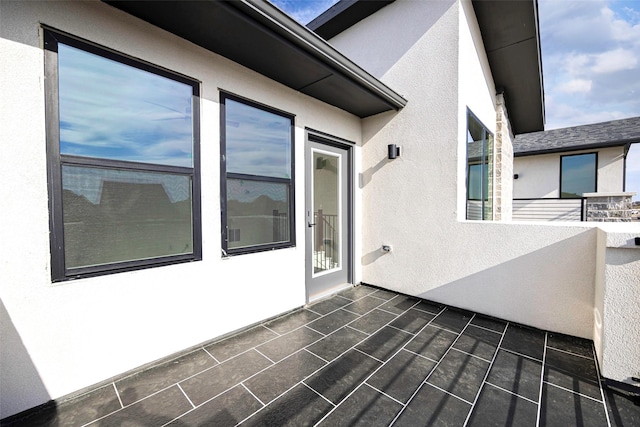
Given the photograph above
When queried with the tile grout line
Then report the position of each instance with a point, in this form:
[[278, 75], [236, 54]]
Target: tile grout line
[[118, 395], [511, 392], [271, 330], [573, 392], [421, 355], [476, 356], [131, 404], [267, 357], [368, 355], [348, 325], [187, 397], [604, 399], [544, 358], [290, 355], [313, 354], [486, 375], [310, 352], [415, 392], [413, 334], [243, 385], [319, 394], [211, 355], [448, 393], [569, 352], [487, 329], [383, 393], [521, 355]]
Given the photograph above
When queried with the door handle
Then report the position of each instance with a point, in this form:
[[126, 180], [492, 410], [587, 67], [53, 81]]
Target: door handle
[[311, 224]]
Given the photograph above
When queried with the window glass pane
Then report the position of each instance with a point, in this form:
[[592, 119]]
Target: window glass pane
[[326, 212], [114, 111], [479, 171], [475, 182], [115, 215], [578, 175], [258, 142], [257, 213]]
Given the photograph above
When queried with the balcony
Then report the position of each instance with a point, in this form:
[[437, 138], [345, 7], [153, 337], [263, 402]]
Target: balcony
[[599, 207], [364, 356]]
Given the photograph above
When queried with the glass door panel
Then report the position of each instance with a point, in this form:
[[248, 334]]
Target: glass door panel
[[327, 208]]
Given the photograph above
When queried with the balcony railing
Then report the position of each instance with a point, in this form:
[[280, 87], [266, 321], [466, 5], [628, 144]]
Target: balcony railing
[[326, 250], [549, 209]]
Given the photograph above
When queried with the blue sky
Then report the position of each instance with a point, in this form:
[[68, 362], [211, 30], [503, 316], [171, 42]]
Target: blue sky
[[590, 60]]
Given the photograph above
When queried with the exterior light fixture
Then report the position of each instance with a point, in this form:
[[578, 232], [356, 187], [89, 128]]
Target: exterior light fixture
[[394, 151]]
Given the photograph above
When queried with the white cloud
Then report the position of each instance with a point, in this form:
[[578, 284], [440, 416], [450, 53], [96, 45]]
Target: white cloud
[[614, 60], [566, 114], [576, 85], [591, 60]]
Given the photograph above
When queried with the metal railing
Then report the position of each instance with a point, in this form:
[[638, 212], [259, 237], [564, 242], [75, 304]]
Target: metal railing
[[551, 209], [326, 250]]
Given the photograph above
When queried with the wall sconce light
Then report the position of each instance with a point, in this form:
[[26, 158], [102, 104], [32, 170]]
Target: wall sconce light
[[516, 176], [394, 151]]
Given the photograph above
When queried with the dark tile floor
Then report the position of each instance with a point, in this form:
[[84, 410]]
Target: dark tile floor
[[364, 357]]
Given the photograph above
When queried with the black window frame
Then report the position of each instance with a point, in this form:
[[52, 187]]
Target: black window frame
[[224, 176], [485, 153], [56, 160], [595, 173]]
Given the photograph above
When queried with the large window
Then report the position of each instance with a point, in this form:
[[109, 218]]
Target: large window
[[257, 171], [578, 175], [479, 170], [122, 143]]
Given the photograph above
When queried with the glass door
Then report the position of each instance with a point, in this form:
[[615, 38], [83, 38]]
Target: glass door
[[328, 217]]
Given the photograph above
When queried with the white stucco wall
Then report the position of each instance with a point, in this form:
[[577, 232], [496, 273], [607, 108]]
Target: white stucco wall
[[539, 176], [416, 203], [59, 338], [617, 303]]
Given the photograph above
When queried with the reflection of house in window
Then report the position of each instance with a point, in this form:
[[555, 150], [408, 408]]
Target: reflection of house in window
[[257, 177], [479, 170], [129, 221]]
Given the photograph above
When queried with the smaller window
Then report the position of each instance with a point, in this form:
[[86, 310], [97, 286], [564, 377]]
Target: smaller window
[[479, 170], [578, 175], [257, 177]]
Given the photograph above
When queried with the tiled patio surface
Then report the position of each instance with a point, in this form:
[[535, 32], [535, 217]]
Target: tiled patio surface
[[365, 357]]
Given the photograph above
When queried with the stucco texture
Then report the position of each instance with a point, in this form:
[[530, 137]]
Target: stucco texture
[[538, 275]]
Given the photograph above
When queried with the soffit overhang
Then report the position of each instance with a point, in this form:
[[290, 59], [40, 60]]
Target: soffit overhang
[[259, 36], [343, 15], [510, 34]]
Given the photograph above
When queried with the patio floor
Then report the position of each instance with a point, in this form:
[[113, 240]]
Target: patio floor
[[370, 357]]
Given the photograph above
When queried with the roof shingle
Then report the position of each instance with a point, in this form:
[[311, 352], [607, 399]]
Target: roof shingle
[[596, 135]]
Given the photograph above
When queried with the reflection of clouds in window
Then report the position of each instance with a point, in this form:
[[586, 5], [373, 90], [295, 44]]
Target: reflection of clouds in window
[[111, 110], [88, 182], [248, 191], [258, 142]]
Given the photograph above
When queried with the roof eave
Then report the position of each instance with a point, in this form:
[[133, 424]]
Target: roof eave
[[511, 37], [306, 62]]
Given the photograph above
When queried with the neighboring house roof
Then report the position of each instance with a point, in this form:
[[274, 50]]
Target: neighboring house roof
[[258, 35], [597, 135], [511, 39]]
